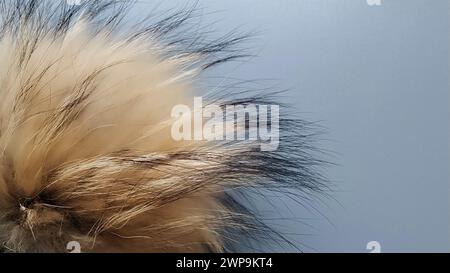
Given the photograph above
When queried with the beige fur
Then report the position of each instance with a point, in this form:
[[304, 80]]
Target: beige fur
[[83, 155], [85, 137]]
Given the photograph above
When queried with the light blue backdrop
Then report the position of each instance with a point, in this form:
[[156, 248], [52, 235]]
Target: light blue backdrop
[[378, 79]]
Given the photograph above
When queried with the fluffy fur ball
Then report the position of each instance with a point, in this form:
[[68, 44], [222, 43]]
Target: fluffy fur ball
[[86, 150]]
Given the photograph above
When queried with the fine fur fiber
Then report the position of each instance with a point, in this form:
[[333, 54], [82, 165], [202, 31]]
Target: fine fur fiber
[[86, 152]]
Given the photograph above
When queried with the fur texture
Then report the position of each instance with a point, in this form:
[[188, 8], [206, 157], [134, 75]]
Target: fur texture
[[86, 152]]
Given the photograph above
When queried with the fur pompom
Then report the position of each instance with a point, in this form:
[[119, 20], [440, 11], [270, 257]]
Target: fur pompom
[[85, 136]]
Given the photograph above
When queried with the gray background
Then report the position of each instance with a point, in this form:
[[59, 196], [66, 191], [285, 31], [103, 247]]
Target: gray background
[[378, 78]]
